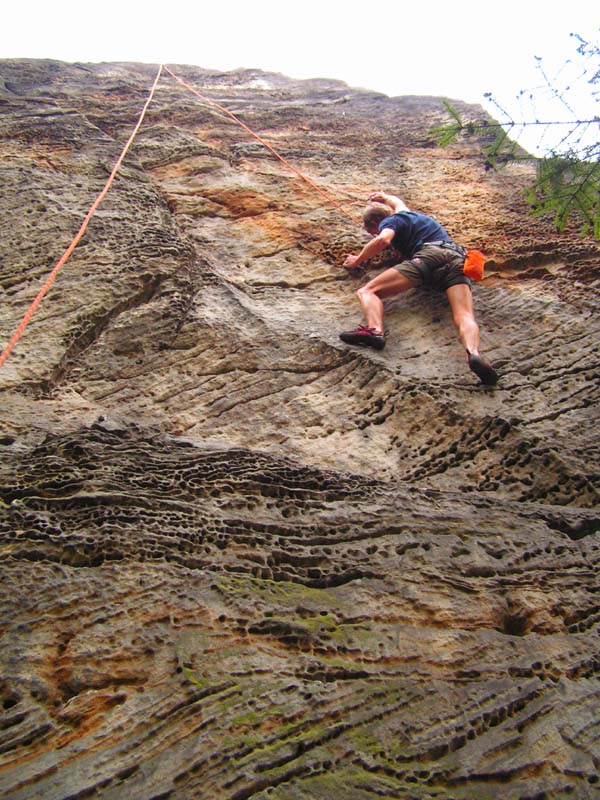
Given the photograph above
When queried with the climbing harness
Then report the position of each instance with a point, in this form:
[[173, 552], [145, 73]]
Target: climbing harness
[[474, 260]]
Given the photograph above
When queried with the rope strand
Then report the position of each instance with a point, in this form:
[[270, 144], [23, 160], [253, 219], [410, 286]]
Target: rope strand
[[51, 277], [249, 130]]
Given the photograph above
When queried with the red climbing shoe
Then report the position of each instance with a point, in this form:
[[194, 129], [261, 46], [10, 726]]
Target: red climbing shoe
[[484, 371], [366, 337]]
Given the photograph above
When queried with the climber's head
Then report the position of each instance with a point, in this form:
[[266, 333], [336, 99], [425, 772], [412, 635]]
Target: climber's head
[[373, 214]]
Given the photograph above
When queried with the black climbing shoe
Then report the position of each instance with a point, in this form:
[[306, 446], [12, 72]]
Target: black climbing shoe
[[484, 371], [365, 337]]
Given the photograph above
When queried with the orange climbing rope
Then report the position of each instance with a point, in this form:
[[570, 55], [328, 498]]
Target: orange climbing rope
[[249, 130], [50, 280]]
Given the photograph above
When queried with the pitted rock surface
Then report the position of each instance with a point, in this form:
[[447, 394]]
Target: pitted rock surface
[[241, 560]]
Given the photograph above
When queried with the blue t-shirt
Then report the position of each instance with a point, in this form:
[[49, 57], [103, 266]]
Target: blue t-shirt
[[412, 231]]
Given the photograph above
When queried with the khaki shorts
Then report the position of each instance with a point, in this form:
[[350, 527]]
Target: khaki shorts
[[434, 267]]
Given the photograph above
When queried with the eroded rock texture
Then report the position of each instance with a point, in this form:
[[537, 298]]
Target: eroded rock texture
[[241, 560]]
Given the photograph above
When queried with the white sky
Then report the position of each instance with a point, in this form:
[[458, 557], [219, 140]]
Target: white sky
[[459, 49]]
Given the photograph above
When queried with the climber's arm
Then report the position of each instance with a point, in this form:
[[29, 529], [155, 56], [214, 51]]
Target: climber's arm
[[376, 245], [395, 203]]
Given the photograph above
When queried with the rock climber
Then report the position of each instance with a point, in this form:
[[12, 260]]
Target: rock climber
[[432, 260]]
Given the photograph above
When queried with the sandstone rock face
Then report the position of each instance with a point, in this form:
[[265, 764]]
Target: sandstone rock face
[[240, 559]]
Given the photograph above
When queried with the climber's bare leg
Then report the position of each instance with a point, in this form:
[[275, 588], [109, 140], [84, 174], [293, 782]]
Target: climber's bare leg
[[371, 296]]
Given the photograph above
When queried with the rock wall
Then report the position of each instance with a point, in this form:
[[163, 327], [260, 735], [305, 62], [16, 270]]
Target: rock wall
[[240, 559]]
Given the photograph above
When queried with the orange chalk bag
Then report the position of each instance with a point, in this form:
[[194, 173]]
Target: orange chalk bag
[[474, 264]]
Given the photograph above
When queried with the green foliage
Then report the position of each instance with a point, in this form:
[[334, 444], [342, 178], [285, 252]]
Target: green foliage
[[448, 134], [567, 182], [497, 147], [567, 186]]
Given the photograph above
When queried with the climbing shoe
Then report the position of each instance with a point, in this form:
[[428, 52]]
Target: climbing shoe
[[366, 337], [484, 371]]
